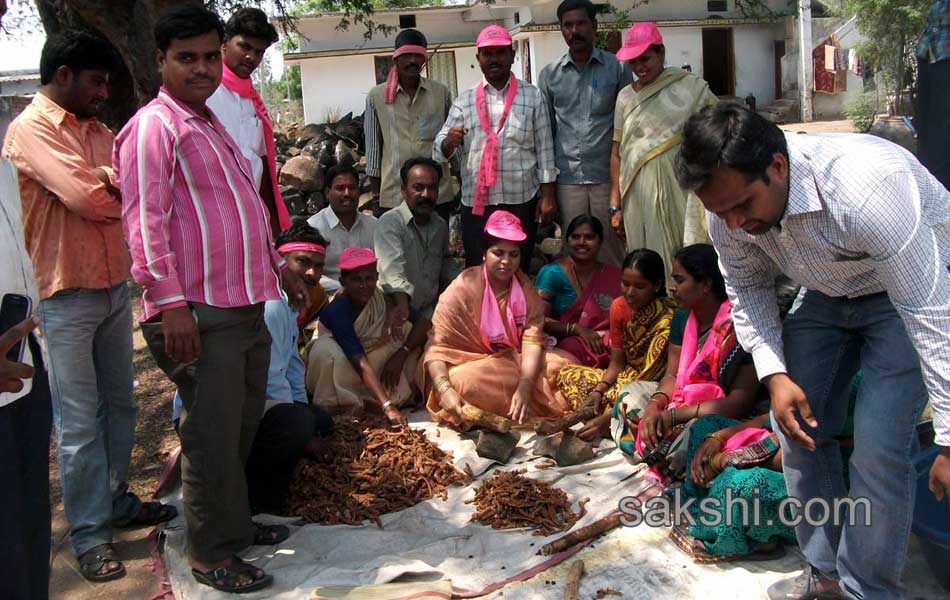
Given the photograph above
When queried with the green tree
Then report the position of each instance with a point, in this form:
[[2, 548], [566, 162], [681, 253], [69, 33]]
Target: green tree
[[891, 30], [288, 87]]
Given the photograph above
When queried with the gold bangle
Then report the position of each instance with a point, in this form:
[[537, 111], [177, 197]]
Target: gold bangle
[[713, 436]]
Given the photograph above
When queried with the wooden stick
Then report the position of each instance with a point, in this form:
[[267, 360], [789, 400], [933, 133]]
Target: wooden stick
[[573, 582], [598, 527], [567, 421]]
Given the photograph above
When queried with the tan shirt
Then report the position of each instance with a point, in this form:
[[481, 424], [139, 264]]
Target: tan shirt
[[71, 223], [402, 130]]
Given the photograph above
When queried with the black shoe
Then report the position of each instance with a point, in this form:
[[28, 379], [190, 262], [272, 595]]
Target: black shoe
[[810, 585]]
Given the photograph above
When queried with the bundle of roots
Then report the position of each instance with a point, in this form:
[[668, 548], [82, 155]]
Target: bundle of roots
[[511, 501], [374, 470]]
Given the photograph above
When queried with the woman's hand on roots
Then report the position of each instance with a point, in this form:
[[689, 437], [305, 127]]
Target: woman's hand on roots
[[616, 223], [653, 425], [519, 403], [595, 429], [392, 370], [592, 339], [395, 416], [700, 471]]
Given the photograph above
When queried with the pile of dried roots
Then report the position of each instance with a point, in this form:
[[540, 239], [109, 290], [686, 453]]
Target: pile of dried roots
[[510, 501], [374, 471]]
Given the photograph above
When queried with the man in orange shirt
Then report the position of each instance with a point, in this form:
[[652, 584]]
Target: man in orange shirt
[[71, 211]]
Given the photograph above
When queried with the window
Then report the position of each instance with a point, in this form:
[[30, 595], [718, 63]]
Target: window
[[407, 21], [517, 18], [717, 5]]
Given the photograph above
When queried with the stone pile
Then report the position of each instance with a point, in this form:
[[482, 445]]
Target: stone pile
[[304, 153]]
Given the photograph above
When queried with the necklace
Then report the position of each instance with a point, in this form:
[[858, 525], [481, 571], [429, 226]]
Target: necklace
[[580, 286]]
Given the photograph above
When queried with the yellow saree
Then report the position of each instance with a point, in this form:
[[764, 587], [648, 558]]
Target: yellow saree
[[657, 213], [645, 340]]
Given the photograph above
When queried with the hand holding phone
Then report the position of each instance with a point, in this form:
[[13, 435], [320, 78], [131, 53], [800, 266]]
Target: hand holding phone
[[13, 372]]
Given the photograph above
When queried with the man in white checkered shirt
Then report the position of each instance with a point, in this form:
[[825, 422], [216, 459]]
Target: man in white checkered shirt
[[526, 172], [865, 229]]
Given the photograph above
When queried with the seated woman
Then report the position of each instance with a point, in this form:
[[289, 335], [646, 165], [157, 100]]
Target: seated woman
[[745, 458], [577, 291], [355, 357], [707, 372], [639, 329], [486, 347]]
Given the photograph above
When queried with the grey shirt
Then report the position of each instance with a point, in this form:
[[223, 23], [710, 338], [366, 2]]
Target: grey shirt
[[414, 259], [581, 104]]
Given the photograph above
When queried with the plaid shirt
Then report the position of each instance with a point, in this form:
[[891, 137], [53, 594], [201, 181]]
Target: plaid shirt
[[863, 217], [935, 41], [525, 144]]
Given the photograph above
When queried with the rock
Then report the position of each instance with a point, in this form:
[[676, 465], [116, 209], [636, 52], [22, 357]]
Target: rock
[[547, 446], [307, 133], [302, 172], [573, 450], [293, 151], [496, 446], [343, 154]]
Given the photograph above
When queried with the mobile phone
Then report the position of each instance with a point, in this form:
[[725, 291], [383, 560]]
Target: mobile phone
[[15, 309]]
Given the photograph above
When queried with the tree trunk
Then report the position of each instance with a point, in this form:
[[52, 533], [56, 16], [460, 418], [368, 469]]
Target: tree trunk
[[128, 26], [901, 68]]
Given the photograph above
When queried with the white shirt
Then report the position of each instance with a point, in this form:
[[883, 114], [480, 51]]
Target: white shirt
[[16, 268], [239, 117], [863, 217], [341, 238]]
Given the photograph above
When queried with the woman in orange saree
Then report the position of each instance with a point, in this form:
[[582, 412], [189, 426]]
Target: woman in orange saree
[[487, 342]]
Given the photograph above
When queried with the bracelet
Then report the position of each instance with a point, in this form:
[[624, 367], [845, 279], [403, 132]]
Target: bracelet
[[404, 348], [387, 404], [672, 417], [655, 394], [713, 436], [569, 330], [696, 416]]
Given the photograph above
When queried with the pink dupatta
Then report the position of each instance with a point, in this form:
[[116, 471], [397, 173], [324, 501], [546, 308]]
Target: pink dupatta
[[487, 175], [492, 327], [245, 89], [586, 311]]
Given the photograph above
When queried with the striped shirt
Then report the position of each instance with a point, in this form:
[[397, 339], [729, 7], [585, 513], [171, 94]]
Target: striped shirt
[[195, 223], [525, 143], [863, 217]]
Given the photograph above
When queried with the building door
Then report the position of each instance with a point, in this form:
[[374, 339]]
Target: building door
[[779, 53], [441, 68], [719, 61]]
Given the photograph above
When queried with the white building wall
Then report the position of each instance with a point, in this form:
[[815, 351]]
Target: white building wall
[[755, 62], [467, 72], [337, 84]]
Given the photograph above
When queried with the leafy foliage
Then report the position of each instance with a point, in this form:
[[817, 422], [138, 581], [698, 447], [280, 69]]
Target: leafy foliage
[[862, 112]]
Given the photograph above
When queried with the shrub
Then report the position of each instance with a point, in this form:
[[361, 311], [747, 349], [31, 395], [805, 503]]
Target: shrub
[[862, 112]]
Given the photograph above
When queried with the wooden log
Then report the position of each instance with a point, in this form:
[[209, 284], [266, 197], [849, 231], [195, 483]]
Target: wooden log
[[486, 420], [573, 582], [598, 527]]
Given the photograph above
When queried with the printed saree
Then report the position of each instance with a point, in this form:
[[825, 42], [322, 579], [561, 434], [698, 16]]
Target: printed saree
[[657, 213], [645, 343], [487, 376], [335, 385], [708, 364], [592, 310]]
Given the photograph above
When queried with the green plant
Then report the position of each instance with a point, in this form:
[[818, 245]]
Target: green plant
[[862, 112]]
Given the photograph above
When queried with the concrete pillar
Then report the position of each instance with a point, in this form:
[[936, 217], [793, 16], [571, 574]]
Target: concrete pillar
[[806, 67]]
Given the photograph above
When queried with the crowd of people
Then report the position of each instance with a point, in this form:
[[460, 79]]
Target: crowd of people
[[677, 214]]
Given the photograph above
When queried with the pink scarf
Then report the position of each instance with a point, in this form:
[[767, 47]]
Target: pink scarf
[[704, 362], [245, 89], [488, 168], [492, 327], [392, 80]]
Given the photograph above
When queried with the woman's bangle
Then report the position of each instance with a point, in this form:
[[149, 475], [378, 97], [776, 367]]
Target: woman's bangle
[[655, 394], [387, 404], [570, 329], [696, 416], [713, 436], [672, 417]]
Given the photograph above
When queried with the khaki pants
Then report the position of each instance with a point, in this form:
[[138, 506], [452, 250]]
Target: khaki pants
[[222, 403], [590, 199]]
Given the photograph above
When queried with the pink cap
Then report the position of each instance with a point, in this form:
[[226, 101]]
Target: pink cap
[[356, 257], [637, 39], [505, 226], [493, 35]]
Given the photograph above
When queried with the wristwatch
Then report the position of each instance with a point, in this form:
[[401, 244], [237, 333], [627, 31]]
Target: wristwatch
[[614, 209]]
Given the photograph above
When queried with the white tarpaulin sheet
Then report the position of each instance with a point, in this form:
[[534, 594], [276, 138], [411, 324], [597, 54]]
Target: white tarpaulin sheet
[[434, 540]]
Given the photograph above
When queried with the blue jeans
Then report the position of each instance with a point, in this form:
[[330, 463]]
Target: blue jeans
[[89, 337], [826, 341]]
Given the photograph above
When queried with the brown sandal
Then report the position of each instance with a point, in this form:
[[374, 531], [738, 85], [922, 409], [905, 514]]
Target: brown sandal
[[94, 560]]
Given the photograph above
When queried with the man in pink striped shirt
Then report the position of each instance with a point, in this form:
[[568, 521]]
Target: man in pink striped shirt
[[199, 237]]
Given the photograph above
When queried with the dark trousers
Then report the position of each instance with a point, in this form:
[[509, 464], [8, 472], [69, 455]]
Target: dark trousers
[[283, 434], [473, 231], [933, 118], [222, 402], [25, 426]]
